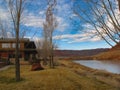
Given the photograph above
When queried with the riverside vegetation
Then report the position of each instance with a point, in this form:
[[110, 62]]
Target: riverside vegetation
[[65, 76]]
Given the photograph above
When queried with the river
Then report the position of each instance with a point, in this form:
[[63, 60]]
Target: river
[[110, 66]]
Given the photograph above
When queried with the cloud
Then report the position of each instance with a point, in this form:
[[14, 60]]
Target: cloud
[[4, 14], [64, 40], [42, 12], [5, 22], [63, 14], [63, 7], [76, 38], [9, 35], [62, 25], [32, 20], [74, 15], [89, 28]]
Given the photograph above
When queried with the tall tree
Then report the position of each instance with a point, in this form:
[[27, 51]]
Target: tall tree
[[119, 4], [16, 9], [3, 32], [49, 26], [103, 16]]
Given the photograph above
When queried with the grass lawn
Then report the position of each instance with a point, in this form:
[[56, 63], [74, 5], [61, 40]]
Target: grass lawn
[[67, 76]]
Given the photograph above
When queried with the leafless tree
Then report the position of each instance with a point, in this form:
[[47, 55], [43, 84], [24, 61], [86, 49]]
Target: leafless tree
[[119, 4], [38, 44], [16, 9], [49, 26], [3, 31], [103, 16]]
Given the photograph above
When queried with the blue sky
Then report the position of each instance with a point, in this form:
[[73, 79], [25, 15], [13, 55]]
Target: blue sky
[[68, 35]]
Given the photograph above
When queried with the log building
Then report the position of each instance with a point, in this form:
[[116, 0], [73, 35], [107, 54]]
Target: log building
[[8, 45]]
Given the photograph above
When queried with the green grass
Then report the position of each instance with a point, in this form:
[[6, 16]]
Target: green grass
[[63, 77]]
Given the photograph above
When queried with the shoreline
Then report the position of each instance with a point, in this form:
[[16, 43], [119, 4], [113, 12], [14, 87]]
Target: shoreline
[[66, 75]]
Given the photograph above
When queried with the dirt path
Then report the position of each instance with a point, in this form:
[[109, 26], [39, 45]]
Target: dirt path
[[5, 67]]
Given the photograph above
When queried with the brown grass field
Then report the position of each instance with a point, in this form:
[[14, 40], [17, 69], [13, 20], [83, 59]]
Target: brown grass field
[[66, 76], [110, 55]]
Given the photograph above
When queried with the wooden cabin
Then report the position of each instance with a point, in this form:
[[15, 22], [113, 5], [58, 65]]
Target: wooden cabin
[[8, 45]]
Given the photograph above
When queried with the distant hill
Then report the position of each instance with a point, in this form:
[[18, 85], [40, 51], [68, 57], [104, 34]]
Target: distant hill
[[112, 54], [79, 53], [100, 54]]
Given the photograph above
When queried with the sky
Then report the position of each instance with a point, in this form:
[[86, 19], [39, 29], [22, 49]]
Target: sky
[[70, 33]]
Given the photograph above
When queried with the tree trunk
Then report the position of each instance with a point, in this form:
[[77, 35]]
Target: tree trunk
[[17, 45], [51, 52], [17, 64]]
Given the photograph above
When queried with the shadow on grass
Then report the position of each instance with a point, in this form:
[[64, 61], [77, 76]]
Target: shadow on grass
[[8, 80]]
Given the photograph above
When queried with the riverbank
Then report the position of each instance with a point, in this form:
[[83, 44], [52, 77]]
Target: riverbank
[[66, 76], [110, 55], [99, 75]]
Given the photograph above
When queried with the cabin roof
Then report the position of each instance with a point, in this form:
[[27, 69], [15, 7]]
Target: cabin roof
[[7, 40]]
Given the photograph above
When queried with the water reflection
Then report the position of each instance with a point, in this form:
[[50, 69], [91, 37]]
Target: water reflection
[[109, 66]]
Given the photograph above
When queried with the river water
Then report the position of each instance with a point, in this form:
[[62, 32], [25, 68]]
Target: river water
[[110, 66]]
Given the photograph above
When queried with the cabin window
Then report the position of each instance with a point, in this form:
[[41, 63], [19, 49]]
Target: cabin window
[[6, 45], [14, 45]]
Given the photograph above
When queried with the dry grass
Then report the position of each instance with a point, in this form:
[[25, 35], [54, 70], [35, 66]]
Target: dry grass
[[22, 61], [110, 55], [99, 75], [63, 77]]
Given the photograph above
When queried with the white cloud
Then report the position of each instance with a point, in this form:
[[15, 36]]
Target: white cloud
[[62, 25], [4, 14], [74, 15], [96, 38], [9, 35], [42, 12], [32, 20], [89, 30], [37, 21], [75, 38], [87, 26], [5, 22], [64, 40]]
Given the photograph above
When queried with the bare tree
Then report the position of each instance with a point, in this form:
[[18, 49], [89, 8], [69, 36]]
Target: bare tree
[[16, 9], [103, 16], [39, 45], [119, 4], [3, 31], [49, 26]]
